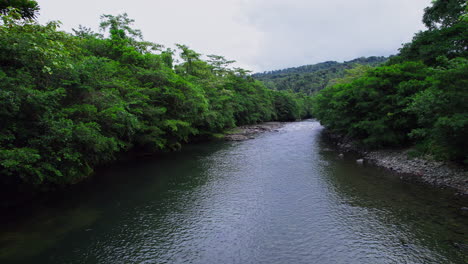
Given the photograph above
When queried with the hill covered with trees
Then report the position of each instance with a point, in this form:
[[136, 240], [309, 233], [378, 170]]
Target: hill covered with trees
[[71, 102], [309, 79], [418, 97]]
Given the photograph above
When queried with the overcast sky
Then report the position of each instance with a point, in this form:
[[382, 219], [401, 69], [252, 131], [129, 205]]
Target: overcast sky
[[259, 34]]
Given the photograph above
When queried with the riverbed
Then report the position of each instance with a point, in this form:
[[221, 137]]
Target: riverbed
[[283, 197]]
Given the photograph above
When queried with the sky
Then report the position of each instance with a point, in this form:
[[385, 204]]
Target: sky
[[261, 35]]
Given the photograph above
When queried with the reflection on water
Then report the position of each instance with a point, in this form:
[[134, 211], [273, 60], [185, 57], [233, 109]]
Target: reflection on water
[[414, 220], [284, 197], [43, 232]]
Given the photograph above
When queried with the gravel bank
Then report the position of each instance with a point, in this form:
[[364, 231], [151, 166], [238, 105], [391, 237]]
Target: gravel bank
[[248, 132], [437, 173]]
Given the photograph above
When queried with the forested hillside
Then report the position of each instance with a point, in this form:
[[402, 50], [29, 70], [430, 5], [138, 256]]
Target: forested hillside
[[419, 97], [71, 102], [312, 78]]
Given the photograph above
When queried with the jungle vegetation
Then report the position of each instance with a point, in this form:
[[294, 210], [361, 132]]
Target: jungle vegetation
[[310, 79], [72, 102], [418, 98]]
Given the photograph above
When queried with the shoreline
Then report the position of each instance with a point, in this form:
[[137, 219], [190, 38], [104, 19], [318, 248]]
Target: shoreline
[[19, 194], [247, 132], [442, 174]]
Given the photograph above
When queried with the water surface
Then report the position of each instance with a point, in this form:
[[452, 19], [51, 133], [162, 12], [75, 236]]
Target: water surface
[[284, 197]]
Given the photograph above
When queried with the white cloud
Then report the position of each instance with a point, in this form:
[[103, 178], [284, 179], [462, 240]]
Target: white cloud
[[300, 32], [260, 34]]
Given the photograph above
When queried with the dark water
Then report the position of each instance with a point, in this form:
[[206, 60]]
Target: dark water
[[283, 197]]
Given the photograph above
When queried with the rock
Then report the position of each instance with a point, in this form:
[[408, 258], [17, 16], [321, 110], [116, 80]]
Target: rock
[[441, 174], [248, 132], [236, 137], [461, 246]]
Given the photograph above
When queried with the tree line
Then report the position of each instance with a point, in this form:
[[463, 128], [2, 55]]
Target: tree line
[[418, 98], [72, 102], [310, 79]]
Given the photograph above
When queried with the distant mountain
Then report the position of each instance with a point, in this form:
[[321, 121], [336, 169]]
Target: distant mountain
[[312, 78]]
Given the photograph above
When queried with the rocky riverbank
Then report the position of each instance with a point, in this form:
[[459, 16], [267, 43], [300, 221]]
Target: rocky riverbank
[[422, 169], [248, 132]]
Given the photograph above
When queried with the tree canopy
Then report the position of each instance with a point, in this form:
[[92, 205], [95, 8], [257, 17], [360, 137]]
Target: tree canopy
[[417, 98], [444, 13], [28, 9], [69, 103], [310, 79]]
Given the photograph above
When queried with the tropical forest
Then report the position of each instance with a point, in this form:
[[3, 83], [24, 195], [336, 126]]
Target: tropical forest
[[115, 148]]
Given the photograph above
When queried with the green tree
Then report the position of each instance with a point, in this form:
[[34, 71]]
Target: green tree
[[442, 112], [69, 103], [27, 9], [219, 64], [447, 34], [190, 58], [371, 108], [444, 13], [418, 98]]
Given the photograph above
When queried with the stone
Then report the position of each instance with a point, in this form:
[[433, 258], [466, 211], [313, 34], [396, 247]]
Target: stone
[[236, 137]]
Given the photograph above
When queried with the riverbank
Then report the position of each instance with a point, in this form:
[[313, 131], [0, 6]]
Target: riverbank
[[286, 190], [242, 133], [18, 194], [442, 174]]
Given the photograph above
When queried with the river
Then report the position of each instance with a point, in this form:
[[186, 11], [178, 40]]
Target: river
[[283, 197]]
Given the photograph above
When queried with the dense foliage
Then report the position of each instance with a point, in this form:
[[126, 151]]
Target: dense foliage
[[419, 97], [69, 103], [309, 79], [25, 8]]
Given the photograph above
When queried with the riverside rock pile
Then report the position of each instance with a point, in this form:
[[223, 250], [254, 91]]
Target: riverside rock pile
[[248, 132], [443, 174], [437, 173]]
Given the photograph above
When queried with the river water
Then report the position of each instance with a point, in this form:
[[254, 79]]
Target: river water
[[283, 197]]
